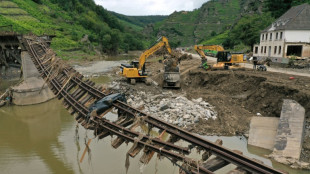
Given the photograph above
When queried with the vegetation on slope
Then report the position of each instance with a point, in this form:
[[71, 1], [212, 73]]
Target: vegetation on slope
[[70, 21], [279, 7], [140, 21], [235, 24], [193, 27], [247, 30]]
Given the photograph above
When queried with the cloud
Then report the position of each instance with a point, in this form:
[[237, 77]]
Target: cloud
[[149, 7]]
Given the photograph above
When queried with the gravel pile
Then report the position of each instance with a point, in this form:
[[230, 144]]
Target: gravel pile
[[172, 108]]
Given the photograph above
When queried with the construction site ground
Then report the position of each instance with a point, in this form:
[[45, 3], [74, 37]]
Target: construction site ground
[[236, 95]]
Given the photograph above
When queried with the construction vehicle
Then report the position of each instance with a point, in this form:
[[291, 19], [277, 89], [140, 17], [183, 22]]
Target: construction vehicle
[[136, 70], [172, 77], [225, 59], [200, 49]]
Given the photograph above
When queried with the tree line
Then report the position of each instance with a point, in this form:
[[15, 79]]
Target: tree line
[[247, 30]]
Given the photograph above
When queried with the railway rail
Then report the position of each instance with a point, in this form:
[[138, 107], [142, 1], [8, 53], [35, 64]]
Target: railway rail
[[79, 94]]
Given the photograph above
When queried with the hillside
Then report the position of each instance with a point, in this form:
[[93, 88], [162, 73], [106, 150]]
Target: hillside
[[78, 25], [140, 21], [214, 17]]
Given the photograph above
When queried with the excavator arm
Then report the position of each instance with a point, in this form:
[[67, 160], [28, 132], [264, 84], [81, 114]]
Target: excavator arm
[[161, 42], [199, 49]]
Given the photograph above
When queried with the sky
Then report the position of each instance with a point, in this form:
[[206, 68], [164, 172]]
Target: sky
[[149, 7]]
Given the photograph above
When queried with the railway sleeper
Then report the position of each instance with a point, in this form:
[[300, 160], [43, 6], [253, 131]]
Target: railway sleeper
[[147, 156], [238, 170], [215, 163], [134, 150], [117, 142], [86, 99]]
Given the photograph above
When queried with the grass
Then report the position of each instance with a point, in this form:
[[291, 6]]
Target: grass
[[21, 18], [216, 40], [37, 19], [133, 26], [7, 4], [10, 11]]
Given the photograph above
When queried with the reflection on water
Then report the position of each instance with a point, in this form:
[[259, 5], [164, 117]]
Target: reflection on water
[[29, 134], [42, 139]]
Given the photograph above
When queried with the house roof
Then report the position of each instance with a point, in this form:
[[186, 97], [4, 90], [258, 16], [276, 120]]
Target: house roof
[[296, 18]]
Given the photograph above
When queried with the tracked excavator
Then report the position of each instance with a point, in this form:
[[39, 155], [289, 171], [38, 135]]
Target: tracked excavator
[[200, 50], [136, 70], [225, 59]]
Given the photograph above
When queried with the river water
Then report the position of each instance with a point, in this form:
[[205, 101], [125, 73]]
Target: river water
[[42, 139], [45, 138]]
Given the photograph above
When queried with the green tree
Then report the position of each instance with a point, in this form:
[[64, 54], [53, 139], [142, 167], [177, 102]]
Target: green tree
[[247, 30], [213, 33], [279, 7], [37, 1]]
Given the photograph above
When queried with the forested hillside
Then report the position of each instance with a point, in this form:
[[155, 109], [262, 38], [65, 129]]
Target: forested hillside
[[235, 24], [213, 18], [247, 30], [70, 21], [140, 21], [83, 25]]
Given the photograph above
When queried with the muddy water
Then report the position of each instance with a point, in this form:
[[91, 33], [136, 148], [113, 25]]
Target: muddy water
[[42, 139]]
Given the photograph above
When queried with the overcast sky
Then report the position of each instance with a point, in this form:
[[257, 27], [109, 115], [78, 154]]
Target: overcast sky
[[149, 7]]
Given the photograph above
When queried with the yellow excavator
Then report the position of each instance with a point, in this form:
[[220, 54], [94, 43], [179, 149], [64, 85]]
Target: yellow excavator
[[136, 70], [225, 59]]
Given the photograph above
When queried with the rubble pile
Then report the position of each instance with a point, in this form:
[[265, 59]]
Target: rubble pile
[[185, 57], [174, 109], [175, 54]]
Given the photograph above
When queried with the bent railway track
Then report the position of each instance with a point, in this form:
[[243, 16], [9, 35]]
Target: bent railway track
[[78, 94]]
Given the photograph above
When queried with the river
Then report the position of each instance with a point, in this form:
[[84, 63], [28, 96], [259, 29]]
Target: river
[[42, 139]]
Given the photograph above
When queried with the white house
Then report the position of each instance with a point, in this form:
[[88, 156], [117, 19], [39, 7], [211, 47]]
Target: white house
[[287, 36]]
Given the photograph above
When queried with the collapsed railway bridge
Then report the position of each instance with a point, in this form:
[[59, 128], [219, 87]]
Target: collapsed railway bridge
[[79, 94]]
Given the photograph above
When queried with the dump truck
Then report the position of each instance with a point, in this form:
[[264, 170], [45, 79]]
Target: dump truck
[[172, 77]]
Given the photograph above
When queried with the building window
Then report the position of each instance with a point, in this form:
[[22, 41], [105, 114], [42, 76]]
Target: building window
[[277, 35], [270, 36], [275, 50], [261, 49], [265, 49], [279, 49], [281, 35], [266, 36], [256, 50], [262, 36]]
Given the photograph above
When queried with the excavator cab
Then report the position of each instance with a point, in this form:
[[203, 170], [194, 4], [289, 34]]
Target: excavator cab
[[135, 64], [223, 56]]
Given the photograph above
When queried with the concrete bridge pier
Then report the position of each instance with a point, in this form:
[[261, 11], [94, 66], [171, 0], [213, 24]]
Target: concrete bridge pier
[[33, 89]]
